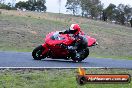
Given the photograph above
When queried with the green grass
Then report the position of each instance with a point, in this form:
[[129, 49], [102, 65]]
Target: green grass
[[54, 78], [17, 33]]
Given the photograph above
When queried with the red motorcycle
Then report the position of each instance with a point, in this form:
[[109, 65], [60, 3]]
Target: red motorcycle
[[55, 47]]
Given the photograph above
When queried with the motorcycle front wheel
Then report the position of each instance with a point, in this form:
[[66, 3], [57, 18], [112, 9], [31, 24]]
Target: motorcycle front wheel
[[37, 53]]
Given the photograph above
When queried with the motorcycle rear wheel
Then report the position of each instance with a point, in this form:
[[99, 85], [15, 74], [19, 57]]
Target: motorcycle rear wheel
[[37, 53], [83, 55]]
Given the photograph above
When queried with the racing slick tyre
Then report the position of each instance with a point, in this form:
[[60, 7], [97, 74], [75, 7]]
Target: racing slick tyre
[[85, 53], [82, 55], [37, 53]]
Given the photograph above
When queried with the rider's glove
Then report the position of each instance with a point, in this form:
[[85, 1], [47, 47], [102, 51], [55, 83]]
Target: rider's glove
[[60, 32]]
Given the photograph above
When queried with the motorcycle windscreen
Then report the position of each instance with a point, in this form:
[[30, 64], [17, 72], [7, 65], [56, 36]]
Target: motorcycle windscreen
[[54, 38]]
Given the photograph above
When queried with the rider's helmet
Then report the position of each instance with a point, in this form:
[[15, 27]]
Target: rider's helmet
[[75, 29]]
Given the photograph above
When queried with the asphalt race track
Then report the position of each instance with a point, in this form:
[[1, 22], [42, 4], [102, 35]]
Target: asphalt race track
[[24, 59]]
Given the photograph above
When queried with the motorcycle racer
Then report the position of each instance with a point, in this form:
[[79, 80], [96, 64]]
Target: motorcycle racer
[[79, 39], [70, 44]]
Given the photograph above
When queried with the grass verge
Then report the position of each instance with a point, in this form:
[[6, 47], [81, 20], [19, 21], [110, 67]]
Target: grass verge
[[54, 78]]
